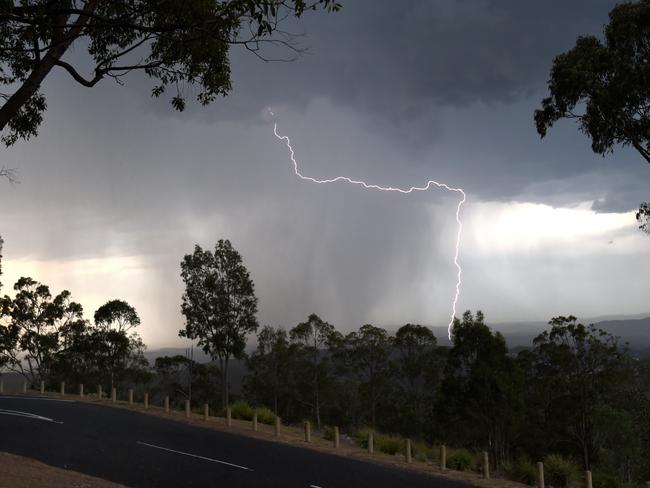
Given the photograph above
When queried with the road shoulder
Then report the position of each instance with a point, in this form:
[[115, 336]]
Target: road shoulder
[[22, 472]]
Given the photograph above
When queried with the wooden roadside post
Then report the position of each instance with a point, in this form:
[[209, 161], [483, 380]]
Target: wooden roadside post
[[81, 390], [443, 457], [588, 483], [278, 424], [114, 394], [187, 409], [255, 420], [42, 387], [62, 388], [486, 465], [371, 442], [24, 386], [336, 437], [540, 475], [228, 417], [2, 385], [307, 431], [146, 401], [166, 404], [206, 411], [409, 457], [130, 396], [99, 391]]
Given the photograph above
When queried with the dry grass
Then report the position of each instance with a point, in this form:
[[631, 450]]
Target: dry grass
[[21, 472]]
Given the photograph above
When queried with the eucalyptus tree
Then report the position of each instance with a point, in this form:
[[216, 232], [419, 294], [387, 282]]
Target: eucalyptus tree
[[602, 84], [180, 376], [117, 315], [314, 337], [114, 342], [182, 46], [38, 329], [418, 364], [219, 305], [577, 374], [369, 358], [272, 368], [478, 402]]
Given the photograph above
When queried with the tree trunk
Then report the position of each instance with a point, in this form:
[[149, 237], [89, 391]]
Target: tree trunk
[[372, 408], [317, 408], [224, 384]]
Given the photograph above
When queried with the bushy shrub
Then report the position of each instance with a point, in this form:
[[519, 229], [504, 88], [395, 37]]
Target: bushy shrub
[[361, 438], [560, 472], [389, 445], [424, 452], [606, 481], [242, 411], [460, 460], [328, 433], [265, 416], [383, 443], [523, 471]]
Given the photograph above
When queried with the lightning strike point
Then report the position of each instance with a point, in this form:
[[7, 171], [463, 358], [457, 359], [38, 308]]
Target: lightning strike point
[[412, 189]]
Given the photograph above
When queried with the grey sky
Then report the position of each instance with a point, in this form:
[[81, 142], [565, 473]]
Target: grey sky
[[117, 187]]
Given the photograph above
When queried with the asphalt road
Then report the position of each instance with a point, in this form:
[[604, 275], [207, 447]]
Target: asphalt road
[[143, 451]]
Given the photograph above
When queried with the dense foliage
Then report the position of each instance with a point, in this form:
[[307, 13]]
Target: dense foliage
[[46, 338], [574, 394], [182, 46], [603, 85], [219, 304]]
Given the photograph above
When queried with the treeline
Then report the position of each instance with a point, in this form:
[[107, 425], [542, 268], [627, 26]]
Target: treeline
[[46, 338], [575, 392]]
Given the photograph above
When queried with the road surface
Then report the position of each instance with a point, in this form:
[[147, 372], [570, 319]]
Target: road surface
[[143, 451]]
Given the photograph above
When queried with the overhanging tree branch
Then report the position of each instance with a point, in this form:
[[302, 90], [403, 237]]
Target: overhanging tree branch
[[178, 44]]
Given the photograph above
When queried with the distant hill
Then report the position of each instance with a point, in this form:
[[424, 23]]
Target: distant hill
[[198, 355], [633, 331]]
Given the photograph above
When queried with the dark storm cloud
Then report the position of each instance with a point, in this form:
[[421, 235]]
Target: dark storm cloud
[[394, 93], [398, 59], [454, 83]]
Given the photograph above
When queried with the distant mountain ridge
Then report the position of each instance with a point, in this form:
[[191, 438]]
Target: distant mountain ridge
[[632, 329]]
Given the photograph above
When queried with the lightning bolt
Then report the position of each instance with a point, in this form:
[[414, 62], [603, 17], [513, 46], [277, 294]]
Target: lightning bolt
[[412, 189]]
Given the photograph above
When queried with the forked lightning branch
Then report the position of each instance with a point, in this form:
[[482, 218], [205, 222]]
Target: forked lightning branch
[[363, 184]]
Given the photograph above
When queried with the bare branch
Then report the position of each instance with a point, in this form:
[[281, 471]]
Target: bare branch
[[80, 79]]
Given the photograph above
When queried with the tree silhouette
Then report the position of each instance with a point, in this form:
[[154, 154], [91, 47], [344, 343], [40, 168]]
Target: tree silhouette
[[180, 45], [603, 85], [219, 304]]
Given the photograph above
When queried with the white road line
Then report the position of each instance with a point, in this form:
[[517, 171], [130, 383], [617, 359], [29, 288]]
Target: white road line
[[43, 399], [314, 486], [194, 456], [27, 415]]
